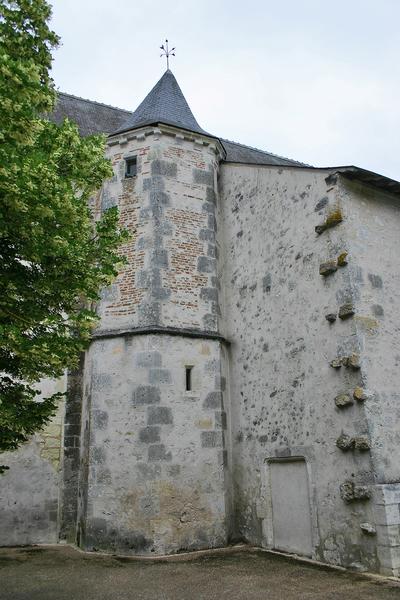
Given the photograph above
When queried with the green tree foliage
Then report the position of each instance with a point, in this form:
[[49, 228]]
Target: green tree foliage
[[54, 257]]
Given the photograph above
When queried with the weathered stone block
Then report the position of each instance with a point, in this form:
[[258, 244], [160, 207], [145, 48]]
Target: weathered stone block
[[210, 294], [334, 218], [97, 456], [210, 194], [342, 259], [160, 258], [146, 394], [149, 435], [343, 400], [352, 361], [376, 280], [159, 376], [368, 528], [164, 168], [158, 198], [159, 415], [346, 311], [207, 235], [211, 439], [149, 359], [208, 207], [345, 442], [360, 394], [158, 452], [327, 268], [220, 419], [153, 183], [203, 177], [336, 363], [361, 443], [205, 264], [378, 311], [213, 400], [349, 492]]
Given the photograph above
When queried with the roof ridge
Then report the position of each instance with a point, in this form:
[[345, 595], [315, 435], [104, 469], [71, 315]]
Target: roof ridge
[[94, 102], [264, 151]]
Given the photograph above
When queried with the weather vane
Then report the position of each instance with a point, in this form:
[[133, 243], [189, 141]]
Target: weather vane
[[167, 52]]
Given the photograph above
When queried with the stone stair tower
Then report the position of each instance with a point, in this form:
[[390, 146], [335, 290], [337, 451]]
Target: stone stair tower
[[153, 473]]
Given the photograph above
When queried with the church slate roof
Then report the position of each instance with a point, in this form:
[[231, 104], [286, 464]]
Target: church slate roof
[[165, 103], [239, 153], [93, 117]]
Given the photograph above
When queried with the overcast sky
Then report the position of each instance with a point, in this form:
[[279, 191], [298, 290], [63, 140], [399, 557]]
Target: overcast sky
[[312, 80]]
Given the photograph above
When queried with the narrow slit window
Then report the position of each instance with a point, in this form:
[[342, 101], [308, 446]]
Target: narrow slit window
[[189, 378], [131, 166]]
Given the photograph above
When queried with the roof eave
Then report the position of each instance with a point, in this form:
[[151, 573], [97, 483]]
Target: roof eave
[[381, 182], [167, 127], [155, 122]]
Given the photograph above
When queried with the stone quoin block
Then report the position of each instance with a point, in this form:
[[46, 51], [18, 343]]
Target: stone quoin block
[[206, 264], [211, 439], [158, 452], [213, 400], [149, 359], [149, 435], [146, 394], [164, 168], [159, 415], [203, 177], [160, 376]]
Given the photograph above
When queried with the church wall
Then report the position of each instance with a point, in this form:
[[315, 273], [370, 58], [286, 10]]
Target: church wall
[[29, 490], [374, 226], [155, 454], [282, 385]]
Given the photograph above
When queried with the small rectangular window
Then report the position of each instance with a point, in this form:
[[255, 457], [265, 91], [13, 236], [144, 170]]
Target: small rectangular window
[[131, 166], [188, 378]]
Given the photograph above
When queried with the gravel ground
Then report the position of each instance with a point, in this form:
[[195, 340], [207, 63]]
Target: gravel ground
[[61, 573]]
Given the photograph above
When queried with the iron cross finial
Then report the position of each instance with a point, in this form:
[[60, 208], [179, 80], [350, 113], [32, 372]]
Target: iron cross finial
[[167, 52]]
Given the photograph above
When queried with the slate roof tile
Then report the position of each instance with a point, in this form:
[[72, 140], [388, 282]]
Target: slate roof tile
[[94, 117]]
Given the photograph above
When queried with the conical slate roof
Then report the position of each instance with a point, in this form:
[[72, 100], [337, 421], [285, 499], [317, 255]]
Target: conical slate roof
[[164, 104]]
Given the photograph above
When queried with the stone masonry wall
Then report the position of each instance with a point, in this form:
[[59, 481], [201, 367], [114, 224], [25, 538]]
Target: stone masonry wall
[[152, 473], [169, 209], [155, 452], [29, 490], [373, 222], [295, 355]]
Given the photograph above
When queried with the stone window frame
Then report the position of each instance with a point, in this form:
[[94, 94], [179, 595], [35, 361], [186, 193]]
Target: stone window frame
[[131, 161]]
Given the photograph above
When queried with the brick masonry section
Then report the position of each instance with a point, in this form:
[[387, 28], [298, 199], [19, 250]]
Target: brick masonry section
[[169, 209]]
